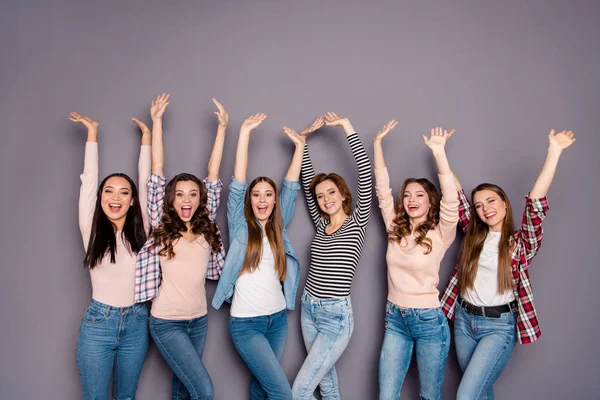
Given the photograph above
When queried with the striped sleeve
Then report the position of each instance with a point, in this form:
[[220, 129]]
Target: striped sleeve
[[365, 181]]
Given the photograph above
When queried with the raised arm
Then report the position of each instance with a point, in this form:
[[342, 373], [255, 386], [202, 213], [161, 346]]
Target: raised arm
[[382, 178], [308, 172], [365, 184], [157, 109], [531, 231], [289, 190], [449, 203], [89, 177], [557, 143], [214, 163], [241, 155], [238, 187], [157, 181], [144, 168]]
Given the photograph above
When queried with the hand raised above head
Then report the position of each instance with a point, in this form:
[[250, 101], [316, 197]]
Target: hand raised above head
[[253, 122], [299, 140], [86, 121], [222, 113], [319, 122], [159, 105], [439, 137], [561, 140], [385, 130]]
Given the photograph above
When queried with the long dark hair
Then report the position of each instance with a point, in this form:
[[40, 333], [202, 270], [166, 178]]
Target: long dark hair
[[401, 226], [103, 238], [473, 244], [171, 225], [273, 228]]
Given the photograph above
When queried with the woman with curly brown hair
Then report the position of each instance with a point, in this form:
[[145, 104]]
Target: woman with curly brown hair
[[420, 227], [184, 250]]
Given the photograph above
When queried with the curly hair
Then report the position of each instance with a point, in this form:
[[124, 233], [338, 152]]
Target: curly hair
[[401, 226], [171, 225]]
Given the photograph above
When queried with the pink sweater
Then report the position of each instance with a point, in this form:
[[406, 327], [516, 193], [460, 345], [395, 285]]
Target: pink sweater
[[112, 284], [412, 275]]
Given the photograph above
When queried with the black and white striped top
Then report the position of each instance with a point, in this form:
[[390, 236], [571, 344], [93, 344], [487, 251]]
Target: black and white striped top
[[334, 257]]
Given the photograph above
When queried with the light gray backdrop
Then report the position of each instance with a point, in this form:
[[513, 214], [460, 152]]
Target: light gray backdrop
[[501, 73]]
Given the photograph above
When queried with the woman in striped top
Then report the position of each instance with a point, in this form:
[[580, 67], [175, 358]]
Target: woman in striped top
[[420, 227], [327, 321]]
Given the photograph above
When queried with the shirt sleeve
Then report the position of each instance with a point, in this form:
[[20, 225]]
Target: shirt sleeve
[[308, 173], [87, 191], [235, 205], [365, 182], [464, 211], [384, 196], [531, 231], [213, 196], [156, 198], [448, 209]]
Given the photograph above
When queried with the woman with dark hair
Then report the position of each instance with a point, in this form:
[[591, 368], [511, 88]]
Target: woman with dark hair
[[327, 320], [420, 227], [113, 337], [261, 272], [184, 250], [489, 295]]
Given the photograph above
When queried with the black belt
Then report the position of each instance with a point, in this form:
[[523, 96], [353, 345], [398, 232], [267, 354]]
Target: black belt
[[490, 312]]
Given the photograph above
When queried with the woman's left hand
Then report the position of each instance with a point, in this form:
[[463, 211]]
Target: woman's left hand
[[299, 140], [437, 140]]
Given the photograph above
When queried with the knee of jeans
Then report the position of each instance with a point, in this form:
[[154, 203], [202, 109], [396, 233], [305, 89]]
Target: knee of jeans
[[207, 392]]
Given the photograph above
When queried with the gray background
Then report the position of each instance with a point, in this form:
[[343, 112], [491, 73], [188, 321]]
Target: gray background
[[502, 73]]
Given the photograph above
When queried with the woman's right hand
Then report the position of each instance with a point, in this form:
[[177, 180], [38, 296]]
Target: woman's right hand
[[298, 139], [385, 130], [319, 122], [253, 122], [90, 124], [159, 105]]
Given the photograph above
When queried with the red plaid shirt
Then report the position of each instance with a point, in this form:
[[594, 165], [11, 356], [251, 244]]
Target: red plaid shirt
[[527, 240]]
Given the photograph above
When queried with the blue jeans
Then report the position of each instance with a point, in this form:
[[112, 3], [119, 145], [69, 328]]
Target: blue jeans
[[112, 341], [260, 342], [181, 343], [327, 326], [483, 348], [424, 329]]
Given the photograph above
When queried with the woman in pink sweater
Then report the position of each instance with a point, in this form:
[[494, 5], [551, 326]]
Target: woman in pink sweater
[[113, 337], [420, 228]]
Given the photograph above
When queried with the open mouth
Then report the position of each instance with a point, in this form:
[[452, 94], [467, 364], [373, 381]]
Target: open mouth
[[489, 215], [186, 211], [412, 208], [262, 209], [114, 207], [329, 205]]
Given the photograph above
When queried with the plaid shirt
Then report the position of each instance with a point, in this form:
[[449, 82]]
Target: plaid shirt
[[527, 241], [147, 265]]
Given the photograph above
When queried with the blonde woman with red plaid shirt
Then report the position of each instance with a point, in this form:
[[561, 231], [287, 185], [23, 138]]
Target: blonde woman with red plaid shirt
[[489, 295]]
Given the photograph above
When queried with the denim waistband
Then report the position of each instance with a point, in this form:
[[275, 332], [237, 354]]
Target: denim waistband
[[315, 300], [105, 308]]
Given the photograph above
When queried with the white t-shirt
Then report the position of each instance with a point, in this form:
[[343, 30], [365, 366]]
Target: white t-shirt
[[259, 292], [485, 290]]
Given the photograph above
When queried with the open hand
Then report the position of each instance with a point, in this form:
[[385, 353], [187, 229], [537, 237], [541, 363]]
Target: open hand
[[299, 140], [385, 130], [143, 126], [438, 138], [86, 121], [319, 122], [561, 140], [253, 122], [159, 105]]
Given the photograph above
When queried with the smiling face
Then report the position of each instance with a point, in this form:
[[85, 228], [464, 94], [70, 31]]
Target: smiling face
[[329, 197], [490, 208], [262, 200], [186, 200], [415, 201], [116, 199]]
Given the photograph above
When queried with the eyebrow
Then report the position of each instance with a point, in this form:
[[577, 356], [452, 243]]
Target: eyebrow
[[418, 191], [182, 191], [112, 187], [266, 191], [486, 199]]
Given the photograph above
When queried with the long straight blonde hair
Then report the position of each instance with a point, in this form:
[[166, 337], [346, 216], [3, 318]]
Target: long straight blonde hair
[[473, 244]]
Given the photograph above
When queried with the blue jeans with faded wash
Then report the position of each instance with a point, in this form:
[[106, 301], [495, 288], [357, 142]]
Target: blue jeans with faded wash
[[260, 342], [112, 342], [181, 343], [426, 331], [483, 347], [327, 326]]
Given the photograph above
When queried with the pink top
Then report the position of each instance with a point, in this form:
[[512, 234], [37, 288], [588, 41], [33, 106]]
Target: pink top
[[412, 275], [112, 284], [181, 294]]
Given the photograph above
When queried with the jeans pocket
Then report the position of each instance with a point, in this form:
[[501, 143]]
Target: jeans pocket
[[428, 314], [140, 311], [333, 309], [94, 316]]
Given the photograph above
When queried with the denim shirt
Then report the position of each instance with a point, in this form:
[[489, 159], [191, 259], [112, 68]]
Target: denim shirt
[[238, 238]]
